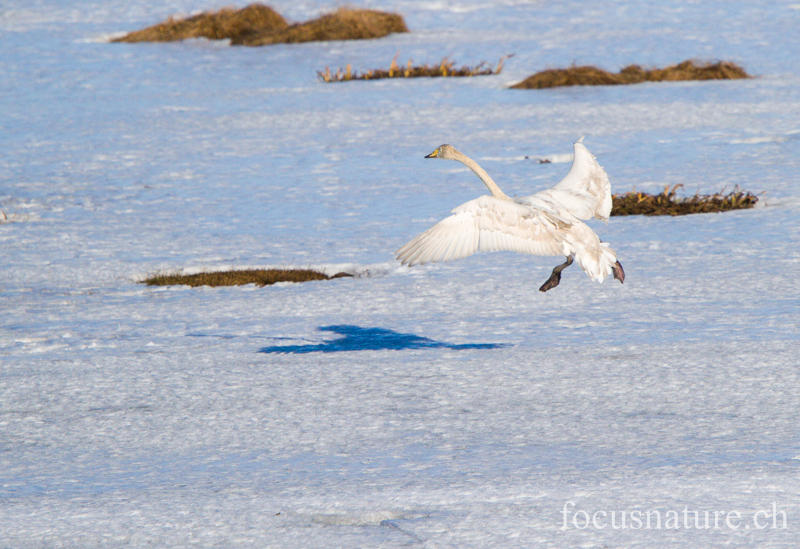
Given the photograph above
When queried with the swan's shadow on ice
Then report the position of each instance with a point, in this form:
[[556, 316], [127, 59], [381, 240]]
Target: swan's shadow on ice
[[357, 338]]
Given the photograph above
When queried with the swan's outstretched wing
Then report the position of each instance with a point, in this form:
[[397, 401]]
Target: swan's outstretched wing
[[585, 192], [486, 224]]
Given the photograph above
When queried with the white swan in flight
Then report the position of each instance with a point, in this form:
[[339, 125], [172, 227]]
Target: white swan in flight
[[545, 223]]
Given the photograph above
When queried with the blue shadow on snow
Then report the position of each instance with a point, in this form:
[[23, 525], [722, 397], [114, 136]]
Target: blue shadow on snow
[[357, 338]]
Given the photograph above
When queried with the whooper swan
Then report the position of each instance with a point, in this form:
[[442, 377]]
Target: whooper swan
[[545, 223]]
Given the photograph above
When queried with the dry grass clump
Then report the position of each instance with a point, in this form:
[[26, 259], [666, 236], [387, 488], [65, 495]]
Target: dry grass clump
[[8, 218], [343, 24], [633, 74], [444, 68], [260, 25], [667, 203], [238, 25], [260, 277]]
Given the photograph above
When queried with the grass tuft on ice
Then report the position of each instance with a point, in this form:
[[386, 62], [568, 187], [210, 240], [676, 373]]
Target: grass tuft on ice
[[444, 68], [260, 25], [633, 74], [668, 203], [260, 277], [11, 218]]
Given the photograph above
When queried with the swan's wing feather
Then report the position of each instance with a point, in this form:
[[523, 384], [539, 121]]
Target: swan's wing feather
[[585, 192], [486, 224]]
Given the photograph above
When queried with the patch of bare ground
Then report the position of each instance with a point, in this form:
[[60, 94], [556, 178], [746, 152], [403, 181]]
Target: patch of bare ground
[[668, 203], [633, 74], [260, 25], [260, 277]]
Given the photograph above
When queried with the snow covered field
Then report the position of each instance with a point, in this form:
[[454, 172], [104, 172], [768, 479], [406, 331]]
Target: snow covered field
[[450, 405]]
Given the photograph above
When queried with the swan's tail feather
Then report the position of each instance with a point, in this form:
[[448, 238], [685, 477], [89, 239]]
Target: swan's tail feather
[[596, 258]]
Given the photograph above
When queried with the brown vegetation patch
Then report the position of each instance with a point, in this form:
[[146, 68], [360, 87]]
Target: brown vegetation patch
[[260, 25], [444, 68], [343, 24], [667, 203], [633, 74], [260, 277], [238, 25]]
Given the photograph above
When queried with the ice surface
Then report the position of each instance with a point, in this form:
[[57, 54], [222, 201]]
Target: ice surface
[[449, 405]]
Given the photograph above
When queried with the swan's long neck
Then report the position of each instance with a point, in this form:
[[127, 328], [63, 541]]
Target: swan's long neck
[[490, 184]]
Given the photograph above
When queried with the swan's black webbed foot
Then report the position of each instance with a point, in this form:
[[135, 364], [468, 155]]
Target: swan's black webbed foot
[[619, 274], [552, 282], [555, 276]]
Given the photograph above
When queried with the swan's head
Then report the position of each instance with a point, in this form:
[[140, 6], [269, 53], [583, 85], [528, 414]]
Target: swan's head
[[446, 152]]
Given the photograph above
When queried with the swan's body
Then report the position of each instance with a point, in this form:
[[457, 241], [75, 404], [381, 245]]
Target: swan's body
[[545, 223]]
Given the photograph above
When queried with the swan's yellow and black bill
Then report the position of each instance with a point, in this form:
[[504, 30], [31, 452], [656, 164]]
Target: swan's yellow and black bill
[[434, 154]]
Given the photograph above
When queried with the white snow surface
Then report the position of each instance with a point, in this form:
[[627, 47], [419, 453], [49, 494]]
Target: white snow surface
[[451, 405]]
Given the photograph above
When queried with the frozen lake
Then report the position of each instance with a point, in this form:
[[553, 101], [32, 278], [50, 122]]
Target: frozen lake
[[449, 405]]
